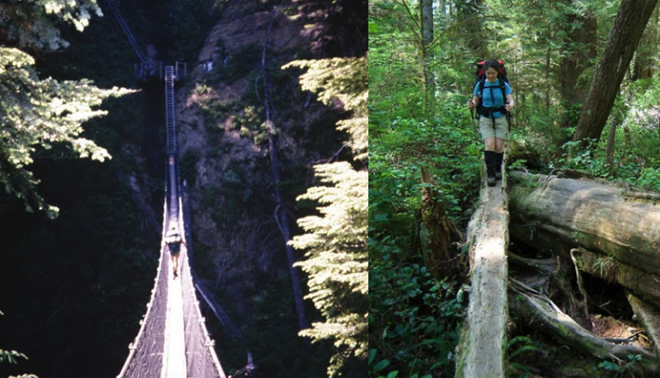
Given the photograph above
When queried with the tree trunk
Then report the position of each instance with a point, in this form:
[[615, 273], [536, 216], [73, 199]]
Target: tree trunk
[[623, 40], [580, 29], [426, 17], [436, 230], [648, 47], [481, 349], [280, 215], [565, 213], [609, 152]]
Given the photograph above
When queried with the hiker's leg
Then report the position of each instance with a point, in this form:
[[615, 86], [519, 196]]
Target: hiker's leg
[[498, 145], [499, 157], [489, 158], [489, 144], [501, 134], [488, 135]]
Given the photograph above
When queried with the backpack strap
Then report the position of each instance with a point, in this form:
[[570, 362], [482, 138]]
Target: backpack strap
[[487, 111]]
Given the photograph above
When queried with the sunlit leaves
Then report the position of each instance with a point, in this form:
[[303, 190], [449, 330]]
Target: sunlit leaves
[[37, 113], [344, 80], [337, 264], [33, 23]]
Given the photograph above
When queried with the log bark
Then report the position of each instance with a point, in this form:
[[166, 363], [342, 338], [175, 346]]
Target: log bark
[[482, 347], [560, 214], [539, 312], [649, 317], [643, 284]]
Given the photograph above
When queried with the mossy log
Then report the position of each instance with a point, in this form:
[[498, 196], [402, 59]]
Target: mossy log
[[482, 347], [560, 214], [643, 284], [649, 316], [541, 313]]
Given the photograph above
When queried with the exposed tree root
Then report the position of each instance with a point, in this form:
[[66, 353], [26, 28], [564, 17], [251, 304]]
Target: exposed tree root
[[541, 313], [649, 316], [540, 265]]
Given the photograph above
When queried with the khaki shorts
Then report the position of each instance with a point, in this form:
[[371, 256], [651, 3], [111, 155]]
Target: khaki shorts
[[501, 129]]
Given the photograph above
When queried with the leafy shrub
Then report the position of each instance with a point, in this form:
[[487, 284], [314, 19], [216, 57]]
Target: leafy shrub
[[415, 318]]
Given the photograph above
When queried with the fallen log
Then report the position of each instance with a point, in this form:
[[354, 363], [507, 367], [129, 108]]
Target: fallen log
[[541, 313], [611, 270], [482, 345], [561, 214]]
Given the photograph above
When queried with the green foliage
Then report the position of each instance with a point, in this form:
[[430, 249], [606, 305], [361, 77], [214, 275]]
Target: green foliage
[[534, 39], [619, 368], [414, 319], [336, 241], [343, 79], [10, 356], [238, 64], [515, 353], [337, 260], [40, 113], [33, 24]]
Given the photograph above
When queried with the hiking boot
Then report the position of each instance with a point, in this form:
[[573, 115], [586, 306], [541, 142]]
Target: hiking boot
[[491, 181], [175, 274], [489, 159], [498, 165]]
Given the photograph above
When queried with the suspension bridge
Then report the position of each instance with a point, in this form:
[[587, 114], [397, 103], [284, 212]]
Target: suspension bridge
[[173, 341]]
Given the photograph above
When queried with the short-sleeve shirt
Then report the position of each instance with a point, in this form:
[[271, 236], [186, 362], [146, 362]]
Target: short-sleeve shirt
[[173, 242], [492, 98]]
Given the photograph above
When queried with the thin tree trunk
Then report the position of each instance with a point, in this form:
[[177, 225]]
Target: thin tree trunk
[[280, 215], [624, 38], [548, 62], [426, 17], [609, 152]]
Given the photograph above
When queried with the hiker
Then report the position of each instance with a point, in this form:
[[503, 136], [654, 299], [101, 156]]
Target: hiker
[[492, 99], [173, 241]]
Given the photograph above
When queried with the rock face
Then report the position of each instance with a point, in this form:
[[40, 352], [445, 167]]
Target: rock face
[[223, 147]]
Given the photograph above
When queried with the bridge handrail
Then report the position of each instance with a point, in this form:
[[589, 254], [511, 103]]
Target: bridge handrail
[[124, 26]]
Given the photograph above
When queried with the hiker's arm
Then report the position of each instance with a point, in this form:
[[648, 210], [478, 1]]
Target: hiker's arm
[[509, 102], [474, 102]]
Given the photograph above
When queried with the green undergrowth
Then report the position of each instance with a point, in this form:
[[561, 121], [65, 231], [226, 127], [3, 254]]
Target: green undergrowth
[[636, 149], [415, 318]]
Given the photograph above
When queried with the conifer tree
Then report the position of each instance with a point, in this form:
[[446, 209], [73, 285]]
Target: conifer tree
[[336, 240], [38, 113]]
